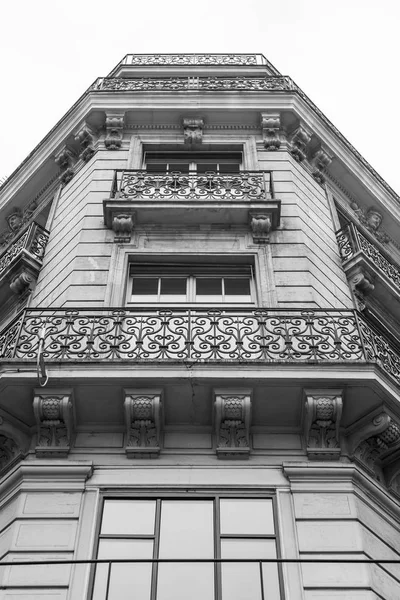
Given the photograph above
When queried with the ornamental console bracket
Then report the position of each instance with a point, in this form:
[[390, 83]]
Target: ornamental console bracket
[[193, 131], [121, 218], [54, 422], [271, 130], [374, 441], [322, 414], [232, 422], [320, 160], [299, 141], [262, 222], [85, 136], [114, 130], [65, 158], [14, 444], [143, 422]]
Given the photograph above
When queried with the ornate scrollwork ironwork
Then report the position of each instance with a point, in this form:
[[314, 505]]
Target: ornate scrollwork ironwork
[[144, 84], [344, 241], [141, 185], [199, 336], [32, 240], [192, 59]]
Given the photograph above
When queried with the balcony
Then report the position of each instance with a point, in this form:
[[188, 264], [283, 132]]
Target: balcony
[[191, 198], [22, 260], [198, 336], [368, 269]]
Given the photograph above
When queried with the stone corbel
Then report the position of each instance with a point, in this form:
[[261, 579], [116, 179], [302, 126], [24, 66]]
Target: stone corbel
[[319, 162], [232, 423], [271, 127], [375, 442], [14, 444], [85, 136], [193, 131], [143, 422], [54, 422], [65, 158], [322, 414], [299, 141], [114, 130], [22, 283], [361, 283], [262, 222]]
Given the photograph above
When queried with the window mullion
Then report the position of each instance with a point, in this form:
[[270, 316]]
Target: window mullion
[[154, 571], [217, 549]]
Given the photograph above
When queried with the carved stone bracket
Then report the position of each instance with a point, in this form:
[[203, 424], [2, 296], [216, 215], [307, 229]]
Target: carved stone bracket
[[114, 130], [361, 283], [263, 222], [121, 218], [193, 131], [299, 141], [22, 283], [232, 423], [271, 127], [54, 422], [65, 158], [85, 136], [319, 162], [323, 411], [13, 444], [372, 220], [375, 442], [143, 422]]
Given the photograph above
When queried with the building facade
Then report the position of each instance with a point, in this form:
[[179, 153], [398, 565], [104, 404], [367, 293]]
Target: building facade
[[199, 298]]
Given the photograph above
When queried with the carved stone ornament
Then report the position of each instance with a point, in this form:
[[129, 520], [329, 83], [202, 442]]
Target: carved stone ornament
[[372, 220], [271, 126], [85, 136], [375, 443], [320, 161], [65, 159], [114, 130], [22, 283], [193, 131], [143, 423], [232, 423], [54, 422], [299, 141], [260, 224], [323, 411], [123, 224], [15, 220]]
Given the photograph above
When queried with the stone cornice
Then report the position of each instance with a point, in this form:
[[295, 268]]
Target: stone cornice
[[300, 103], [57, 475]]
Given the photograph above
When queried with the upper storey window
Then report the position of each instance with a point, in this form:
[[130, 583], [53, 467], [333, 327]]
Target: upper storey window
[[185, 162]]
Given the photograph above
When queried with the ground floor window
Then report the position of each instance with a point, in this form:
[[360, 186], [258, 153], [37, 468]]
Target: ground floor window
[[170, 528]]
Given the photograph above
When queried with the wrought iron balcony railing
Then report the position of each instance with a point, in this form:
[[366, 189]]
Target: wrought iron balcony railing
[[195, 59], [31, 243], [351, 241], [244, 186], [198, 336], [203, 84]]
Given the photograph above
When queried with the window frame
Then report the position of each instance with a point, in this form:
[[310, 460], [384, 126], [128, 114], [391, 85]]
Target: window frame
[[190, 495]]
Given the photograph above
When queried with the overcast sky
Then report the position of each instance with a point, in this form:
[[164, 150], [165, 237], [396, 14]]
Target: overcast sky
[[343, 54]]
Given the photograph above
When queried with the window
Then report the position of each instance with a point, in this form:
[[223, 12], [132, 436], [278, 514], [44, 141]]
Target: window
[[201, 528], [221, 162], [204, 284]]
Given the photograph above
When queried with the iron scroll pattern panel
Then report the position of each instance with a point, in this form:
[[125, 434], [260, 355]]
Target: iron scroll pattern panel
[[351, 240], [211, 186], [33, 241], [153, 84], [192, 59], [177, 335]]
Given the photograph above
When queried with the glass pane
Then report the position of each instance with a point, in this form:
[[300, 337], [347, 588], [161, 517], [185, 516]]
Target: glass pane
[[203, 167], [186, 529], [229, 167], [208, 286], [179, 166], [126, 580], [173, 285], [156, 167], [128, 517], [239, 286], [241, 581], [185, 581], [145, 286], [246, 517]]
